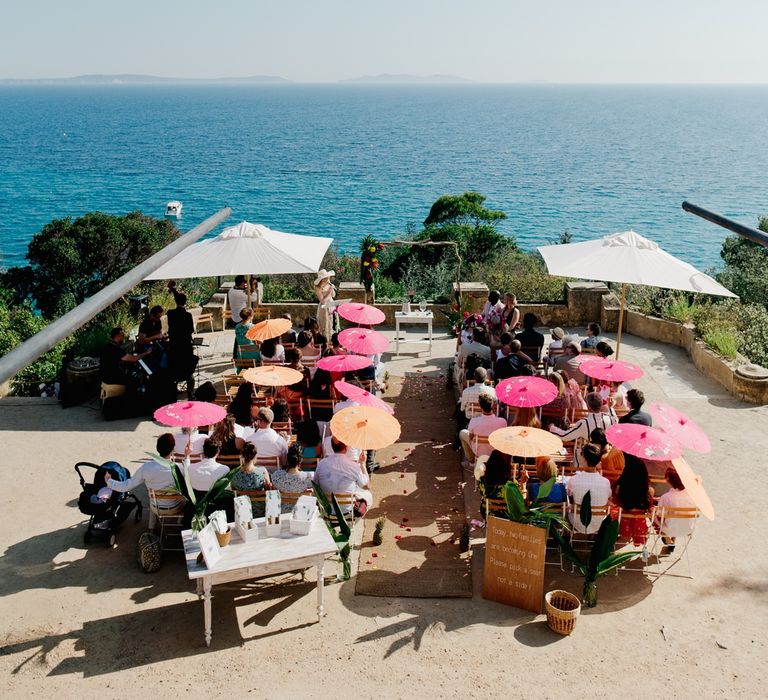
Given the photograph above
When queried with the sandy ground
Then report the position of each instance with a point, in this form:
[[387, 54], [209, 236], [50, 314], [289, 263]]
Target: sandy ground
[[84, 622]]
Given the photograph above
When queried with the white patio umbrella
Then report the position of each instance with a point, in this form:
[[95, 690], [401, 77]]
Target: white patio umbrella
[[247, 249], [627, 258]]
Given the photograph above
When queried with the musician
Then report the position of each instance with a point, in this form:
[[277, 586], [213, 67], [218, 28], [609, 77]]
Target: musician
[[181, 355]]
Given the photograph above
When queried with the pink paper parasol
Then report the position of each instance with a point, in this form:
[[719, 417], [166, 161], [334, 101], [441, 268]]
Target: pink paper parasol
[[526, 392], [190, 414], [611, 370], [363, 341], [361, 313], [344, 363], [644, 442], [361, 396], [680, 427]]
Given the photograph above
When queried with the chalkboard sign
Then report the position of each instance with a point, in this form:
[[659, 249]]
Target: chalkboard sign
[[513, 572]]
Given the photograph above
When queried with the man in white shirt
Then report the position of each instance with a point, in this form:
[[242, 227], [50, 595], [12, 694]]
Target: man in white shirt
[[594, 419], [340, 474], [588, 480], [268, 442], [481, 426], [206, 472], [472, 393], [155, 476], [237, 297]]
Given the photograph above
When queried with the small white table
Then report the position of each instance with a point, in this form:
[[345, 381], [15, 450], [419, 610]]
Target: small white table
[[422, 317], [266, 556]]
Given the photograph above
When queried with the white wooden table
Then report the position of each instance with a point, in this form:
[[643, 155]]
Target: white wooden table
[[266, 556], [420, 317]]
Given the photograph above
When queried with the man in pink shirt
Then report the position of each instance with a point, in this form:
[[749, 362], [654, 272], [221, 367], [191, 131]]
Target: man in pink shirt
[[480, 426]]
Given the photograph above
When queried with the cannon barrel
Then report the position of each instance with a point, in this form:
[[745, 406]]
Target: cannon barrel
[[752, 234]]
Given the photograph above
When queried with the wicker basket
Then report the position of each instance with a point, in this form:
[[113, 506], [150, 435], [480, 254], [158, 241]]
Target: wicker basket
[[562, 610]]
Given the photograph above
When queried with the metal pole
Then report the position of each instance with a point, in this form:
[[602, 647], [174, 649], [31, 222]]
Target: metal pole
[[25, 354], [621, 319], [752, 234]]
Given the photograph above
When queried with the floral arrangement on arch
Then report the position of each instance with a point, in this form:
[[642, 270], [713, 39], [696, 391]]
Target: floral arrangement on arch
[[460, 316], [369, 248]]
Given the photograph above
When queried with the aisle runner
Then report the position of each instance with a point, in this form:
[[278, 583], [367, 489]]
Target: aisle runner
[[418, 491]]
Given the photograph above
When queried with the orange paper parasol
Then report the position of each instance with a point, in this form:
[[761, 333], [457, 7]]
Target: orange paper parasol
[[365, 427], [272, 375], [524, 442], [269, 328], [693, 488]]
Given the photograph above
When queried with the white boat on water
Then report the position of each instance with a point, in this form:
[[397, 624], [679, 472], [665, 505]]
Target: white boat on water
[[173, 208]]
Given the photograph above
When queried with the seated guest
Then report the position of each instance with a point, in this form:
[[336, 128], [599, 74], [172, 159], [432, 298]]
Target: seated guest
[[556, 345], [511, 365], [676, 497], [321, 343], [472, 393], [290, 335], [526, 417], [612, 460], [572, 388], [546, 469], [189, 436], [337, 473], [280, 410], [205, 473], [569, 361], [336, 347], [308, 436], [492, 472], [593, 336], [295, 392], [242, 408], [206, 393], [635, 400], [268, 442], [481, 426], [321, 388], [272, 351], [603, 349], [244, 325], [634, 495], [594, 419], [505, 341], [587, 479], [530, 339], [225, 432], [250, 477], [305, 345], [475, 347], [311, 325], [155, 475], [291, 479], [555, 411]]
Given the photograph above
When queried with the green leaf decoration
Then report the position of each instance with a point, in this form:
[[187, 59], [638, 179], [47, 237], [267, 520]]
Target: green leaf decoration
[[585, 510], [569, 552], [615, 561], [515, 502], [604, 542], [545, 488], [322, 499], [340, 517]]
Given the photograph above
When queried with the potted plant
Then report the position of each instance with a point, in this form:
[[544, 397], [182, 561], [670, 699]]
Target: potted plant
[[200, 505], [602, 558]]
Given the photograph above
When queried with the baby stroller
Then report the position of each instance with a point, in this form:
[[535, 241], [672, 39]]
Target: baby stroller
[[105, 516]]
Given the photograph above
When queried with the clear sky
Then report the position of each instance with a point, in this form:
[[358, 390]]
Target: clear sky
[[615, 41]]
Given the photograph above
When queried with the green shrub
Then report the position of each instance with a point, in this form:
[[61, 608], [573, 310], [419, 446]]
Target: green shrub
[[753, 336], [723, 341], [679, 308], [389, 291], [523, 274]]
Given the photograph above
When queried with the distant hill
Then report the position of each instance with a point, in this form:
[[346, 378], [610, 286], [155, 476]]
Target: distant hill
[[131, 79], [405, 79]]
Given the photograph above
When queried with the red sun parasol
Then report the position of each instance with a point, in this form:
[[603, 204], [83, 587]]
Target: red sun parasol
[[680, 427], [611, 370], [363, 314], [361, 396], [644, 442], [344, 363], [190, 414], [363, 341], [526, 392]]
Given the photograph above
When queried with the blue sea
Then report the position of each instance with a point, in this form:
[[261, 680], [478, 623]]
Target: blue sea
[[346, 161]]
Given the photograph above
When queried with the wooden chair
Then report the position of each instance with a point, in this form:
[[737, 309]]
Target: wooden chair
[[346, 501], [257, 497], [309, 464], [193, 458], [241, 363], [260, 313], [272, 362], [231, 381], [166, 509], [249, 352], [659, 517], [473, 409], [366, 384], [222, 400], [283, 426], [288, 346], [232, 461], [269, 463], [494, 505], [321, 404], [479, 441], [588, 351], [203, 319]]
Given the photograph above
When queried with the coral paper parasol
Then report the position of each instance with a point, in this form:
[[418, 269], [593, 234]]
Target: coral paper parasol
[[269, 328], [272, 375], [365, 428], [524, 442]]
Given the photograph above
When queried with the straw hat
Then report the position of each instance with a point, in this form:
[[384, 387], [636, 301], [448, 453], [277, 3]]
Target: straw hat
[[323, 275], [557, 333]]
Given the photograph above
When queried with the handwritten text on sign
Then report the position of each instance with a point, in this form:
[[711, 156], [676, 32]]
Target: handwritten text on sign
[[513, 572]]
